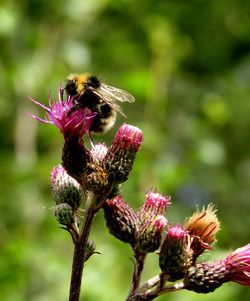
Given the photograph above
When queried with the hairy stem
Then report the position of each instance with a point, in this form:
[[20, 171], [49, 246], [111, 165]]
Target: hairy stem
[[79, 254]]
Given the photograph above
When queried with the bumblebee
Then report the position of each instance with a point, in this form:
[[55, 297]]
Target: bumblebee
[[89, 92]]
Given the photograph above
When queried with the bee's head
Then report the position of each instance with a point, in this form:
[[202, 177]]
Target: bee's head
[[76, 83]]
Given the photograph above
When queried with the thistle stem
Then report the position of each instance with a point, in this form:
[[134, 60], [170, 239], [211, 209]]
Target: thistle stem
[[79, 254], [138, 267]]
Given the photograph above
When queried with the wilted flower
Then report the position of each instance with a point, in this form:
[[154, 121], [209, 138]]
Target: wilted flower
[[206, 277], [202, 227], [61, 113]]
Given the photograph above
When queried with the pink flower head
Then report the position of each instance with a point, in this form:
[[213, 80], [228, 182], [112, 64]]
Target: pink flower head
[[156, 204], [160, 223], [61, 113], [154, 199], [128, 137], [238, 264], [120, 157], [176, 233]]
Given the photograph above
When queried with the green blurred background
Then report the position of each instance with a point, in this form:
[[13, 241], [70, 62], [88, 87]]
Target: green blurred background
[[188, 65]]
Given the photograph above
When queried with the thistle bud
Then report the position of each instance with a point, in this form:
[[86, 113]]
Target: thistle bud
[[206, 277], [120, 219], [120, 157], [202, 227], [149, 234], [151, 222], [64, 214], [64, 188], [155, 204], [174, 253]]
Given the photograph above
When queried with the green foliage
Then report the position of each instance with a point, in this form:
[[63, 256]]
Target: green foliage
[[188, 65]]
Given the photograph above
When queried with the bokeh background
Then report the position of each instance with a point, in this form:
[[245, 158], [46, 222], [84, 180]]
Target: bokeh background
[[188, 65]]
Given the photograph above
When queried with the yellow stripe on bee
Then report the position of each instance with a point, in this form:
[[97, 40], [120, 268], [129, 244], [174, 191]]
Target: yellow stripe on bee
[[80, 80]]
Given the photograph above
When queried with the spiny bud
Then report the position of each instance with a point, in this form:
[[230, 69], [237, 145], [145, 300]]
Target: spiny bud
[[206, 277], [149, 234], [155, 204], [202, 227], [64, 188], [120, 157], [151, 222], [64, 214], [174, 253], [120, 219]]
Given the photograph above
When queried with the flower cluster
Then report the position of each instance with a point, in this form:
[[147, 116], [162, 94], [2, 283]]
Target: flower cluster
[[93, 178], [142, 229]]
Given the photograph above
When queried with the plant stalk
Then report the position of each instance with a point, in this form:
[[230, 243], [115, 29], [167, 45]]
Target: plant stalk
[[79, 255]]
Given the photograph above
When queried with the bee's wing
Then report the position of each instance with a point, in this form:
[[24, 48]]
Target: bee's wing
[[117, 94], [112, 96]]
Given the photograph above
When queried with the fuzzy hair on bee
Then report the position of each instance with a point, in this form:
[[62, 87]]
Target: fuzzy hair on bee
[[89, 92]]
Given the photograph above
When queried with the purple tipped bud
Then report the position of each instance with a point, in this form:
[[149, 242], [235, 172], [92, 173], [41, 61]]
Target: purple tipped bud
[[174, 259], [64, 188], [156, 204], [120, 219], [206, 277], [149, 234], [64, 214], [151, 222], [121, 155]]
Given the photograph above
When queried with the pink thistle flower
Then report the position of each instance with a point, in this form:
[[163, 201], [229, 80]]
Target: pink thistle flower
[[238, 264], [155, 204], [151, 221], [71, 122], [120, 157]]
